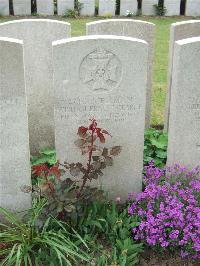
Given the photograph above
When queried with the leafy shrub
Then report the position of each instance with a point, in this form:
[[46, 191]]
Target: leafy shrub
[[107, 227], [46, 156], [74, 13], [70, 13], [160, 8], [33, 242], [155, 147], [66, 196], [129, 13], [169, 210], [78, 6]]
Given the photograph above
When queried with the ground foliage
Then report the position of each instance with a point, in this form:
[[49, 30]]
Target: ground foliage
[[33, 242], [107, 234], [155, 147]]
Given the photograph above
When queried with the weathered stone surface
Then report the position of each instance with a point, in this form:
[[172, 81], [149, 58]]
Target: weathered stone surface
[[192, 8], [103, 77], [14, 147], [45, 7], [37, 35], [22, 7], [4, 7], [178, 31], [173, 7], [184, 123], [107, 7], [64, 5], [131, 28], [88, 7], [148, 7], [130, 5]]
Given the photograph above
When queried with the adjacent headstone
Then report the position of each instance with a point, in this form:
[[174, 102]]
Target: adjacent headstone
[[22, 7], [148, 7], [14, 148], [192, 8], [128, 6], [107, 7], [45, 7], [64, 5], [178, 31], [131, 28], [173, 7], [4, 7], [184, 124], [37, 35], [88, 7], [103, 77]]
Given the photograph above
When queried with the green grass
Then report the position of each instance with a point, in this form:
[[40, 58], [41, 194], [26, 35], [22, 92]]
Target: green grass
[[160, 59]]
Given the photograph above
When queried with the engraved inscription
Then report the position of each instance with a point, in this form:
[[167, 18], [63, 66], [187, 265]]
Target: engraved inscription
[[195, 108], [101, 70], [110, 108]]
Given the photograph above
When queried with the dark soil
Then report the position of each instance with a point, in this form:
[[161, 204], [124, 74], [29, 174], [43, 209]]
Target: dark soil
[[151, 258]]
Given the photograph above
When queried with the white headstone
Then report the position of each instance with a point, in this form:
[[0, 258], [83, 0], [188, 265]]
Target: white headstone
[[14, 148], [64, 5], [173, 7], [192, 8], [131, 28], [107, 7], [22, 7], [178, 31], [45, 7], [128, 5], [4, 7], [148, 7], [88, 8], [37, 35], [103, 77], [184, 124]]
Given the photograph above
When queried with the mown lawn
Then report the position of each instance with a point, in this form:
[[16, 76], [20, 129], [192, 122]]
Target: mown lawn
[[160, 59]]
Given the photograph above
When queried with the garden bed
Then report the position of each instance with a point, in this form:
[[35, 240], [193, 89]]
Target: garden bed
[[151, 258]]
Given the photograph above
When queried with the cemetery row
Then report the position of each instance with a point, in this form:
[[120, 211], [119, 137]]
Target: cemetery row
[[104, 7], [47, 96]]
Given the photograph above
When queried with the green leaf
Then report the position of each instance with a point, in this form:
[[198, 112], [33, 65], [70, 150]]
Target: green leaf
[[163, 139], [95, 158], [158, 162], [47, 151], [149, 132], [158, 144], [41, 160], [161, 154], [52, 160]]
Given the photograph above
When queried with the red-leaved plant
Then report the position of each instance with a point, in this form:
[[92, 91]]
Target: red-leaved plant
[[98, 157], [66, 194]]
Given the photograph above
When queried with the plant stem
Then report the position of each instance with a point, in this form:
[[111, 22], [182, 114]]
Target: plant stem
[[86, 175]]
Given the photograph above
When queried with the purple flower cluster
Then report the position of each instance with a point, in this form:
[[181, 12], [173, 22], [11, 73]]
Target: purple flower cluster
[[169, 209]]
